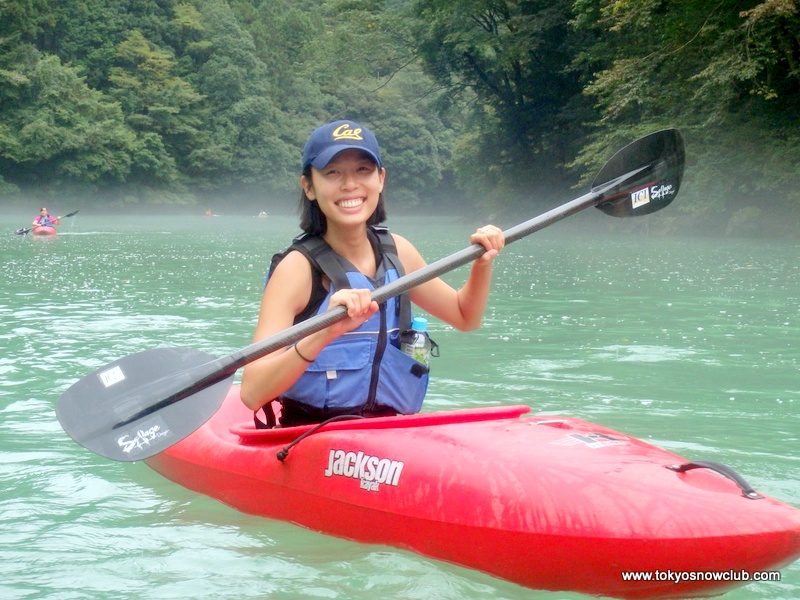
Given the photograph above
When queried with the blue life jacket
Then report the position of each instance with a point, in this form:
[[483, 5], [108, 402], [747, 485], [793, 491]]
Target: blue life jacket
[[363, 369]]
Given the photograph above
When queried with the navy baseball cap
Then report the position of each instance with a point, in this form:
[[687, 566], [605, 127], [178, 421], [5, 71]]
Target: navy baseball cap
[[327, 141]]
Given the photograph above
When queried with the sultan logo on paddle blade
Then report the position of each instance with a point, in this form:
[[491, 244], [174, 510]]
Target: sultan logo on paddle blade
[[150, 434]]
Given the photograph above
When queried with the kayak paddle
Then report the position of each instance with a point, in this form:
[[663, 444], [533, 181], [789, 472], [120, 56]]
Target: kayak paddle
[[24, 231], [139, 405]]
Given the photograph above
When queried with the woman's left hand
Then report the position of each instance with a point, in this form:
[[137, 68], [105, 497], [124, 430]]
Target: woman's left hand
[[491, 238]]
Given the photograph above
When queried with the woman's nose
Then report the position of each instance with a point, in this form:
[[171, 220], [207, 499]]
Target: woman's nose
[[348, 180]]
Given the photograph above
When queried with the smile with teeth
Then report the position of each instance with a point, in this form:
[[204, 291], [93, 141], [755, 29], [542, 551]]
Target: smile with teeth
[[350, 202]]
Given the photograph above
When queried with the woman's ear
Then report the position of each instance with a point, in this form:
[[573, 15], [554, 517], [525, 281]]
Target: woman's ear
[[382, 176], [308, 188]]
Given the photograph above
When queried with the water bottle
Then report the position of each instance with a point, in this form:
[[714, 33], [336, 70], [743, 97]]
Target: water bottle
[[418, 347]]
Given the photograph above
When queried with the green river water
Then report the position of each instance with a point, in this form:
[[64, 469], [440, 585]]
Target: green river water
[[689, 344]]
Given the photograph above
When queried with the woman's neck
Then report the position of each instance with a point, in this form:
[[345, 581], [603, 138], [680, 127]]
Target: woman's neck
[[355, 247]]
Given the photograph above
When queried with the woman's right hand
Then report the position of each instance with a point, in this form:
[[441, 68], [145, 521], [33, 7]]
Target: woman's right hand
[[360, 307]]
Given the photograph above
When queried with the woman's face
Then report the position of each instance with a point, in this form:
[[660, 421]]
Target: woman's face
[[347, 189]]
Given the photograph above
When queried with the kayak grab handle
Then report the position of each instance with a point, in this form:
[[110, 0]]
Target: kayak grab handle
[[725, 470]]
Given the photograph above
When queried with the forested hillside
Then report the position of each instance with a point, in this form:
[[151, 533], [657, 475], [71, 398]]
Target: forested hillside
[[479, 105]]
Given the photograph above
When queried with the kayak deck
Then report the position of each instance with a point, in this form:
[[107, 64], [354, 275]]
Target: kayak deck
[[44, 230]]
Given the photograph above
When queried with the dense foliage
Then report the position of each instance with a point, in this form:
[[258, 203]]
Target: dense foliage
[[479, 104]]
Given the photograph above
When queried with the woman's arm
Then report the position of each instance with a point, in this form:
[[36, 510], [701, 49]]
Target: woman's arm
[[463, 308], [285, 296]]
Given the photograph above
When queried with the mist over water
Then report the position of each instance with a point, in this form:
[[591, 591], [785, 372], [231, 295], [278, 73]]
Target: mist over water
[[690, 344]]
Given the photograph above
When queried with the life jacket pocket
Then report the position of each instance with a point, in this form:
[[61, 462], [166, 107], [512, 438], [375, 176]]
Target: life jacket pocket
[[403, 381], [338, 378]]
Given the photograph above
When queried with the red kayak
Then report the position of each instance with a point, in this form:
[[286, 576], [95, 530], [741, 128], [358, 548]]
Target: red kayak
[[44, 230], [552, 503]]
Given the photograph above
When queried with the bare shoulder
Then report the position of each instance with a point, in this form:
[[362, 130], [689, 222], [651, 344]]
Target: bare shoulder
[[294, 261], [290, 283], [408, 254]]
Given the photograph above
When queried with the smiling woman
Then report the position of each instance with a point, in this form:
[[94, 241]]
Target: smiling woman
[[351, 183], [355, 366]]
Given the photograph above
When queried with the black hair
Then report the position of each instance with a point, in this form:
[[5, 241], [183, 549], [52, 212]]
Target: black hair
[[314, 222]]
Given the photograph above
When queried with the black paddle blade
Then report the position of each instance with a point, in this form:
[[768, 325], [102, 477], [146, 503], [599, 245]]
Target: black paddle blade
[[112, 412], [21, 231], [72, 214], [654, 186]]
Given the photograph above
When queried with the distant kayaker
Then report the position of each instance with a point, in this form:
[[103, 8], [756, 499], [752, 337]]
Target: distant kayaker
[[354, 366], [45, 220]]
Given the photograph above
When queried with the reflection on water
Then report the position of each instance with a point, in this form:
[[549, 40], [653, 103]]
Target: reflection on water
[[689, 344]]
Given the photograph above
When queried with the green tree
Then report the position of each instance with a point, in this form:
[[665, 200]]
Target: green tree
[[157, 103], [508, 61], [726, 74], [361, 63], [54, 129], [86, 33], [24, 21], [248, 143]]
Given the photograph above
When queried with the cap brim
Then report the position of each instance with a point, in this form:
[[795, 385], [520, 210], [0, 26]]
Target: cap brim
[[326, 156]]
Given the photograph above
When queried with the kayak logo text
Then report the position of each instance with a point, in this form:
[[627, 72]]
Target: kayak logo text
[[372, 471]]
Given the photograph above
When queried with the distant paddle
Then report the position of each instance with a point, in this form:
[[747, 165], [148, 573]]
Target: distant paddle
[[24, 231], [141, 404]]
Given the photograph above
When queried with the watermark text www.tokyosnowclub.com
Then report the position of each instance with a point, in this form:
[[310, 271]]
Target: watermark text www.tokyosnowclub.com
[[684, 576]]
